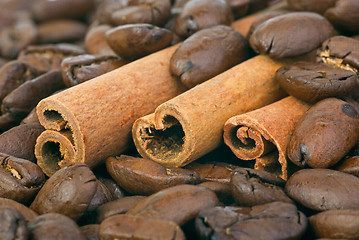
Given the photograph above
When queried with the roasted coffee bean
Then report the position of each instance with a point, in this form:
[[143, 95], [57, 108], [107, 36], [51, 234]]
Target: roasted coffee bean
[[155, 12], [91, 231], [133, 227], [26, 212], [349, 165], [252, 187], [344, 15], [276, 220], [341, 51], [20, 179], [119, 206], [13, 225], [257, 5], [20, 141], [63, 30], [324, 134], [200, 14], [213, 171], [312, 82], [191, 60], [3, 61], [132, 41], [45, 10], [291, 34], [31, 117], [19, 103], [339, 224], [69, 191], [95, 41], [81, 68], [104, 9], [239, 7], [178, 204], [324, 189], [54, 226], [223, 191], [319, 6], [145, 177], [113, 187], [101, 196]]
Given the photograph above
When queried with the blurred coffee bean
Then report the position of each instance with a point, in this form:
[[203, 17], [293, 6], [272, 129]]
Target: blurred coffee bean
[[91, 231], [312, 82], [319, 6], [145, 177], [178, 204], [20, 179], [49, 56], [223, 191], [26, 212], [31, 117], [276, 220], [344, 15], [132, 41], [155, 12], [257, 5], [200, 14], [324, 189], [118, 206], [239, 7], [101, 196], [324, 134], [95, 41], [54, 226], [219, 47], [291, 34], [19, 103], [13, 224], [81, 68], [20, 141], [349, 165], [113, 187], [45, 10], [63, 30], [341, 51], [104, 10], [343, 224], [212, 171], [3, 61], [69, 191], [252, 187], [133, 227]]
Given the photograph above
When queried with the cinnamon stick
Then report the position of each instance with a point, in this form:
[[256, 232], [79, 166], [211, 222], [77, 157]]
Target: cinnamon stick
[[254, 134]]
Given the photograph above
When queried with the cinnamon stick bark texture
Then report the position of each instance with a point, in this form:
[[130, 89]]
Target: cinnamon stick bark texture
[[191, 124], [252, 135]]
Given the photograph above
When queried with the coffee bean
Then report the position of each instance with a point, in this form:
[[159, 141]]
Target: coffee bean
[[319, 6], [91, 231], [223, 191], [324, 189], [349, 165], [212, 171], [95, 41], [239, 7], [26, 212], [13, 225], [113, 187]]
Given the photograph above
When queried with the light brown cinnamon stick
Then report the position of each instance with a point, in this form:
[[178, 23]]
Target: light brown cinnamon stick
[[251, 135]]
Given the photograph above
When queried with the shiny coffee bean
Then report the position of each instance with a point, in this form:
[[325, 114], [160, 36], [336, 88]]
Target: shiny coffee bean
[[133, 227], [276, 220], [312, 82], [324, 189], [212, 171], [101, 196], [69, 191], [13, 224], [26, 212], [104, 10], [324, 134], [54, 226], [113, 187], [291, 34], [319, 6], [132, 41], [349, 165], [20, 179], [252, 187], [223, 191], [91, 231], [145, 177], [178, 204], [190, 61], [200, 14], [95, 41]]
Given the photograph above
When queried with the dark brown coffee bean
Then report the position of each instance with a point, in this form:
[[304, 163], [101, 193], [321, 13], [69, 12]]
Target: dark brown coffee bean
[[212, 171], [101, 196], [45, 10], [155, 12], [343, 224], [252, 187], [13, 225], [54, 226], [201, 14], [20, 179], [257, 5], [31, 117], [26, 212], [223, 191], [133, 227], [291, 34], [312, 82], [81, 68], [119, 206], [344, 15], [349, 165], [132, 41], [91, 231], [20, 141], [324, 134], [178, 204], [239, 7], [113, 187], [145, 177], [104, 10], [189, 62], [324, 189], [69, 191], [95, 41], [340, 51], [276, 220], [319, 6]]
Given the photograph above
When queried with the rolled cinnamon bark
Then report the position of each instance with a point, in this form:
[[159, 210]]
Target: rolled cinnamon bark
[[191, 124], [251, 135]]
